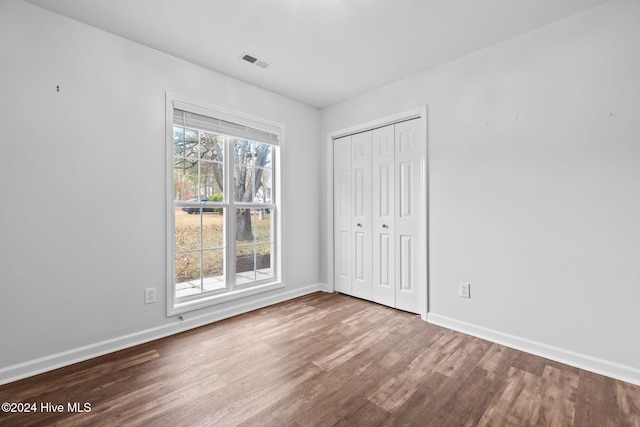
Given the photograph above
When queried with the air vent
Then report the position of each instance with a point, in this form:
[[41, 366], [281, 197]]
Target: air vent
[[254, 60], [249, 58]]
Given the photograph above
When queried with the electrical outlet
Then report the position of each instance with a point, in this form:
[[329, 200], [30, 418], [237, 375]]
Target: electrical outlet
[[150, 295], [464, 290]]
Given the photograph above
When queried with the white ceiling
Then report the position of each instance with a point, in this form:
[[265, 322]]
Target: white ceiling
[[320, 51]]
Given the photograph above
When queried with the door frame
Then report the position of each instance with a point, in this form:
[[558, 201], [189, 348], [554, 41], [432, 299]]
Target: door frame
[[419, 113]]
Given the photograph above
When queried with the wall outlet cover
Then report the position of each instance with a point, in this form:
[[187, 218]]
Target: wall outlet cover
[[464, 290], [149, 295]]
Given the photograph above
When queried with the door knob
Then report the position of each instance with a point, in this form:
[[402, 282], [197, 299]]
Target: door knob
[[385, 226], [359, 225]]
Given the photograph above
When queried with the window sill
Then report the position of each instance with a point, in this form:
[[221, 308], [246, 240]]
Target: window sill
[[207, 301]]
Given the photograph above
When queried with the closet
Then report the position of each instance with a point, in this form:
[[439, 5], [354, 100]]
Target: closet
[[379, 215]]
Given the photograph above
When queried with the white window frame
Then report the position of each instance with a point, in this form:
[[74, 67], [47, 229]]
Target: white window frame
[[177, 306]]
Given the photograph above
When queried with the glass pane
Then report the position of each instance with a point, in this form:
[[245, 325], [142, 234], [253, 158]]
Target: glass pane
[[262, 155], [243, 187], [263, 186], [252, 172], [245, 265], [211, 147], [264, 268], [188, 270], [187, 229], [211, 181], [213, 270], [262, 220], [244, 152], [245, 226], [243, 170], [185, 143], [212, 228], [185, 180]]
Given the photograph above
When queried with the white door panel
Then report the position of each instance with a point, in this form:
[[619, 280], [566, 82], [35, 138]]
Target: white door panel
[[361, 224], [408, 227], [342, 214], [383, 216]]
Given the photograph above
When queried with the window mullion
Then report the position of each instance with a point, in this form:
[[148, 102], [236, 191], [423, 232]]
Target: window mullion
[[201, 253], [199, 185], [230, 220]]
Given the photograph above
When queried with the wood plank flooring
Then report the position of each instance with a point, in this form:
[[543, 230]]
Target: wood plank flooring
[[324, 360]]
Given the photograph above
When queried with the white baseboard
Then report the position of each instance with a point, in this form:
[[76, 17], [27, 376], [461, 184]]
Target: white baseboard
[[325, 288], [75, 355], [593, 364]]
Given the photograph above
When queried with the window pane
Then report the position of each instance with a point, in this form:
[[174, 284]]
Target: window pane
[[212, 228], [252, 172], [262, 186], [262, 155], [253, 185], [243, 187], [264, 269], [262, 220], [213, 270], [244, 152], [185, 143], [245, 265], [185, 163], [253, 263], [187, 230], [211, 181], [245, 226], [188, 270], [211, 147], [185, 181]]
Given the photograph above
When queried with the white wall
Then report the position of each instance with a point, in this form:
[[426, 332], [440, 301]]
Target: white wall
[[534, 151], [82, 218]]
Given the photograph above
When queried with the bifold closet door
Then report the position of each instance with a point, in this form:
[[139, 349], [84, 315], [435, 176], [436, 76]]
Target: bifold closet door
[[361, 223], [383, 155], [378, 215], [342, 206], [408, 216]]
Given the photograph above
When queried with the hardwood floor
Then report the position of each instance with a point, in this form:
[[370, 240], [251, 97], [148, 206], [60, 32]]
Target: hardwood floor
[[324, 360]]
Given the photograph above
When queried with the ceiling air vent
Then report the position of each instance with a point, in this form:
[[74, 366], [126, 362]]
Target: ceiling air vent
[[254, 60]]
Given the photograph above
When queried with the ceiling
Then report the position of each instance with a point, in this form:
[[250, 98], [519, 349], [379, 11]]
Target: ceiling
[[320, 51]]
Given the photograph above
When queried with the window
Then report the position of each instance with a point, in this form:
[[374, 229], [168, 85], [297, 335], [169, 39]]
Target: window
[[224, 208]]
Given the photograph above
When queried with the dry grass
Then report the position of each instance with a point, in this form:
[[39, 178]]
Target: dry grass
[[187, 235]]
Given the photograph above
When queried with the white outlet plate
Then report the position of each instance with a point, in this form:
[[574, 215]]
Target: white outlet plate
[[464, 290], [149, 295]]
